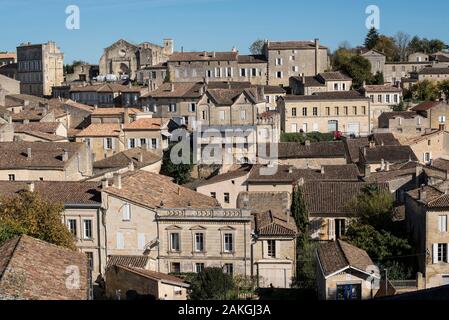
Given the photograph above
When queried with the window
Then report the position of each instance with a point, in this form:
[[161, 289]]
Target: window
[[372, 98], [279, 74], [242, 115], [441, 252], [293, 112], [343, 86], [254, 72], [346, 111], [90, 260], [132, 143], [222, 115], [228, 242], [315, 111], [354, 110], [442, 119], [243, 72], [108, 143], [271, 244], [203, 115], [174, 242], [396, 98], [226, 197], [340, 228], [126, 212], [363, 110], [153, 143], [328, 111], [304, 112], [11, 177], [71, 224], [379, 98], [175, 267], [87, 234], [172, 107], [141, 241], [213, 195], [279, 61], [387, 98], [143, 141], [295, 68], [442, 223], [199, 267], [199, 242], [228, 268], [427, 157], [335, 86], [192, 107], [292, 58], [337, 111]]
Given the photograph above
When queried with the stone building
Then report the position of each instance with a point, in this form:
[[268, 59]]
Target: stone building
[[40, 67], [427, 210], [347, 112], [49, 161], [83, 73], [383, 98], [437, 113], [345, 272], [124, 59], [152, 76], [377, 60], [323, 82], [294, 58], [435, 74], [7, 58], [402, 122]]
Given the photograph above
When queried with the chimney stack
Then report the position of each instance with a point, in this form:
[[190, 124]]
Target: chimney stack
[[322, 169], [140, 156], [290, 170], [442, 127], [307, 143], [117, 180], [172, 87], [387, 166], [104, 184], [422, 194], [30, 186], [65, 155], [126, 116], [28, 153], [317, 56], [382, 164]]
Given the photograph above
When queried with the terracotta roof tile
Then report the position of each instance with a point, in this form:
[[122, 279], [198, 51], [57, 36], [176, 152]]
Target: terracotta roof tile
[[203, 56], [101, 130]]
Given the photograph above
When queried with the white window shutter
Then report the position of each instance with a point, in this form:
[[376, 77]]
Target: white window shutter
[[141, 241], [105, 143], [331, 229], [120, 241], [113, 143], [435, 252], [157, 143], [129, 143]]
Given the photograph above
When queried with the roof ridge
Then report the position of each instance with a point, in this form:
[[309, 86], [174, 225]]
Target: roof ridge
[[19, 238]]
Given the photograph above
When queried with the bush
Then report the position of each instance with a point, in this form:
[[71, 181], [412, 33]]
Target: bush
[[212, 284]]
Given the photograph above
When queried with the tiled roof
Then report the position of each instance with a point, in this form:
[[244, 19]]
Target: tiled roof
[[391, 154], [101, 130], [291, 45], [433, 70], [251, 59], [42, 268], [322, 197], [122, 159], [309, 81], [337, 255], [176, 90], [203, 56], [386, 139], [227, 97], [154, 275], [234, 174], [333, 76], [393, 174], [47, 127], [156, 191], [424, 106], [338, 95], [353, 146], [44, 136], [128, 261], [65, 192], [107, 87], [381, 88], [399, 114], [274, 90], [441, 164], [271, 212], [113, 111], [30, 114], [290, 174], [434, 198], [8, 55], [147, 124], [44, 155], [322, 149]]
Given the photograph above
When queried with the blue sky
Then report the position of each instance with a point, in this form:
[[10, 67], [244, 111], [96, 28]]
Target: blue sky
[[210, 24]]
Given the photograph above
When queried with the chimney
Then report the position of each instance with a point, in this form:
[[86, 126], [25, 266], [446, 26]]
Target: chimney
[[422, 194], [117, 180], [104, 184], [213, 54], [28, 153], [372, 144], [179, 191], [126, 116], [172, 87], [382, 164], [303, 78], [367, 170], [364, 151], [131, 166], [65, 155], [307, 143], [322, 169], [387, 166], [317, 56], [140, 156], [30, 186], [290, 170], [442, 127]]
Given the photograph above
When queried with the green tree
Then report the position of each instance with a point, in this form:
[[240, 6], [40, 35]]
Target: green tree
[[389, 48], [371, 38], [378, 78], [69, 68], [443, 87], [179, 172], [425, 91], [212, 284], [28, 213], [359, 69], [302, 137], [257, 47]]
